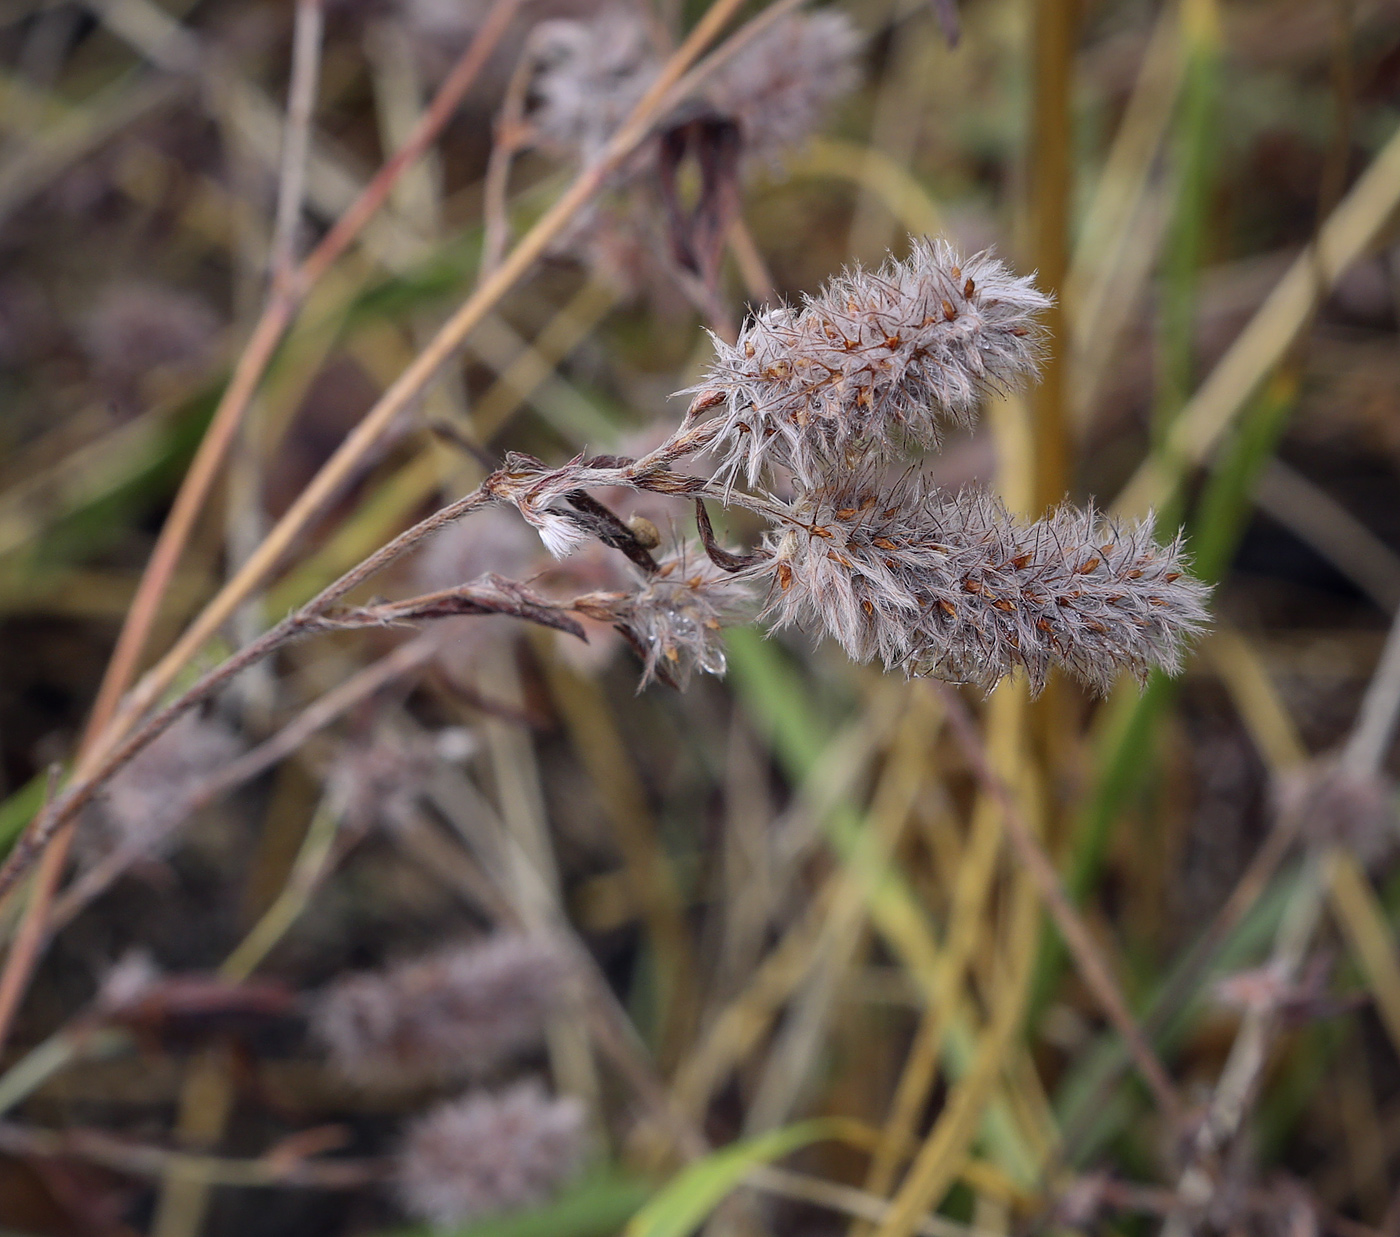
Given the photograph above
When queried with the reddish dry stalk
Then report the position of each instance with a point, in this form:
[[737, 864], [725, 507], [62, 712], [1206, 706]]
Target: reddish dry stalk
[[1092, 966], [142, 1160], [286, 296]]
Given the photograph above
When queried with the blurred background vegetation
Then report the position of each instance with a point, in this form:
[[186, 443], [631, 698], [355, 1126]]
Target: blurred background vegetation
[[792, 881]]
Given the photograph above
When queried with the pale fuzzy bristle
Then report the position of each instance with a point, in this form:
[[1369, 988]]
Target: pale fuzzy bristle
[[954, 587], [483, 1154], [874, 365], [461, 1012]]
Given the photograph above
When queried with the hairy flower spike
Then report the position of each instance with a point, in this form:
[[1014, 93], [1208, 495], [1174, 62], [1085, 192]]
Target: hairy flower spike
[[457, 1013], [872, 366], [674, 618], [483, 1153], [954, 587], [778, 88]]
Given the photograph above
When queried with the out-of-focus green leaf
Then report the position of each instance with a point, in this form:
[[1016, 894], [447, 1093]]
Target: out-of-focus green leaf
[[20, 808], [688, 1198], [88, 524]]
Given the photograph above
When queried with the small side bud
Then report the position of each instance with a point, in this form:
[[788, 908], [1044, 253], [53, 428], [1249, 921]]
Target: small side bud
[[646, 533]]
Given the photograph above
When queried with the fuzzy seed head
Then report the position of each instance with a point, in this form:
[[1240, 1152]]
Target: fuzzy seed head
[[779, 87], [158, 788], [591, 75], [379, 781], [952, 586], [874, 365], [1339, 806], [484, 1153], [461, 1012], [134, 328]]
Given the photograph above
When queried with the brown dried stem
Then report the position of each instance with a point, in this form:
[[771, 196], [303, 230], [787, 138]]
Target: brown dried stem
[[287, 295], [281, 307], [301, 622], [651, 472], [317, 716], [136, 1159], [296, 136]]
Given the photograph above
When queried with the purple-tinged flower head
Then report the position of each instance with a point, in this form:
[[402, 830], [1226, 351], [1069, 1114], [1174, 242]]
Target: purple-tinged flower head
[[380, 779], [160, 786], [460, 1012], [953, 586], [874, 365], [1341, 806], [482, 1154], [779, 87], [590, 75], [134, 328], [441, 31], [674, 618]]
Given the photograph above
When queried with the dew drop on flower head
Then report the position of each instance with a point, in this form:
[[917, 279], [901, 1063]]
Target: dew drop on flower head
[[875, 364], [674, 619], [484, 1153]]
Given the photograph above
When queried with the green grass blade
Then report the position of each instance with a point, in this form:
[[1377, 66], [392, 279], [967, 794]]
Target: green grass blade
[[686, 1201], [595, 1207]]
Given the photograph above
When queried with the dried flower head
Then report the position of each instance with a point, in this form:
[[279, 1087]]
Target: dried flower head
[[482, 1154], [590, 75], [378, 780], [1338, 805], [460, 1012], [874, 364], [134, 328], [441, 30], [674, 617], [779, 87], [953, 586], [159, 787]]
